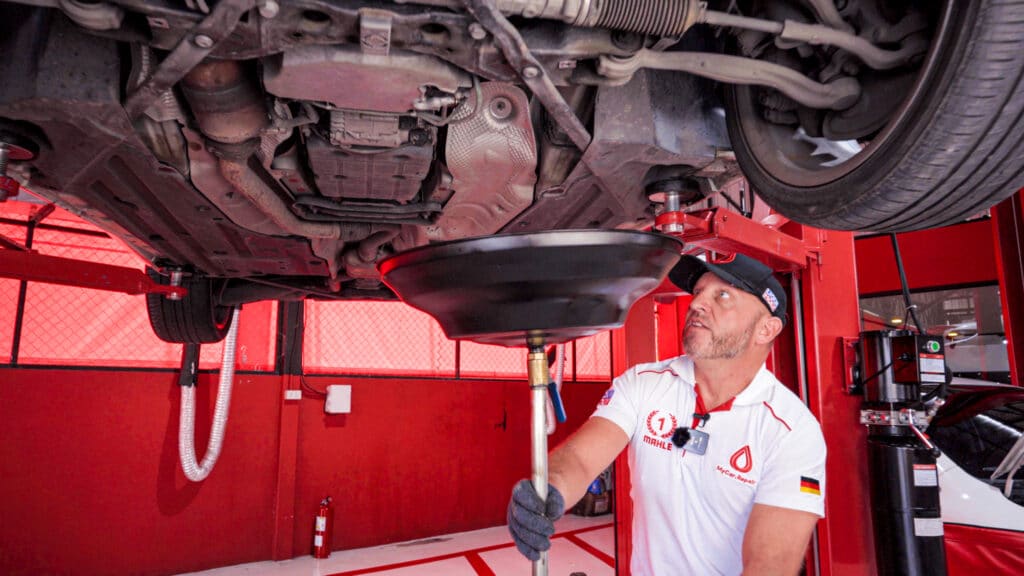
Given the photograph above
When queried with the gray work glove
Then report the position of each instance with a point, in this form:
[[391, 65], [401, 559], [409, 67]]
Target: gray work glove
[[530, 522]]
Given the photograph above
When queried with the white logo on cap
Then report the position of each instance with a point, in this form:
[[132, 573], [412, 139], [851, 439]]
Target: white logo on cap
[[769, 297]]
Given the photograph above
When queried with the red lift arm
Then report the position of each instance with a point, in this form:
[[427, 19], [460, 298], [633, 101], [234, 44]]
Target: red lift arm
[[23, 264], [718, 230]]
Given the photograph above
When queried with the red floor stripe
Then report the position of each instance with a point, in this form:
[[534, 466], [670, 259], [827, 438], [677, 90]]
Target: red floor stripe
[[481, 567], [477, 552], [418, 561], [592, 550]]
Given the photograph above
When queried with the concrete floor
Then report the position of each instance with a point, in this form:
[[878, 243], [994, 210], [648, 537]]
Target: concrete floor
[[581, 545]]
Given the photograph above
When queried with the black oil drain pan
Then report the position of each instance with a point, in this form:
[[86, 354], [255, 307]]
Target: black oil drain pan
[[561, 284]]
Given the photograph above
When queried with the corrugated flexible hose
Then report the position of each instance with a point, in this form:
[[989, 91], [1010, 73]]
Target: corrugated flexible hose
[[186, 432]]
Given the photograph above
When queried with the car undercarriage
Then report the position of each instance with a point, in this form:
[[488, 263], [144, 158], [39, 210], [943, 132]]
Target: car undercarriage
[[282, 148]]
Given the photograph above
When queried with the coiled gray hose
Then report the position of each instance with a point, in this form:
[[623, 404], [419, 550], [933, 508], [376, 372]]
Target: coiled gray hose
[[186, 433]]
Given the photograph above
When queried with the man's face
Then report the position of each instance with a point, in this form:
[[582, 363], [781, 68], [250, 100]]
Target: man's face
[[721, 321]]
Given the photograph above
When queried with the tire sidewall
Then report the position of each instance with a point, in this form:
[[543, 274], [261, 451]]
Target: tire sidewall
[[831, 204]]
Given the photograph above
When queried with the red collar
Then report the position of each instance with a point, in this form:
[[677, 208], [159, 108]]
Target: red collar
[[699, 408]]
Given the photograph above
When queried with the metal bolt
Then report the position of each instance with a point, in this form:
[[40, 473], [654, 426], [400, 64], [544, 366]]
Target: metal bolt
[[203, 41], [531, 72], [269, 9], [672, 204], [4, 154], [500, 107], [672, 201], [477, 32], [176, 277]]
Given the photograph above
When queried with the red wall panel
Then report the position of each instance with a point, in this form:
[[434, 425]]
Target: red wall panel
[[959, 254], [91, 482], [419, 458]]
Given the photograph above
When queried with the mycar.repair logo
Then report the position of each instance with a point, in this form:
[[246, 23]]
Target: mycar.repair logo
[[741, 463]]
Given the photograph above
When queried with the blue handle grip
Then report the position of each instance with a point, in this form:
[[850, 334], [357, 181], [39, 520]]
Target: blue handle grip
[[556, 401]]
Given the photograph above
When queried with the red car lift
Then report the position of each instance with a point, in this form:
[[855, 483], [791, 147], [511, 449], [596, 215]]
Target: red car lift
[[809, 356], [21, 263]]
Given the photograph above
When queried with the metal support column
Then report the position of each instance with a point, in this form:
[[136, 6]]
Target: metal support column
[[1008, 226]]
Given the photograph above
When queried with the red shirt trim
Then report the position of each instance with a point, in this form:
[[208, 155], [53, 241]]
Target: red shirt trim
[[770, 409], [699, 407], [667, 370]]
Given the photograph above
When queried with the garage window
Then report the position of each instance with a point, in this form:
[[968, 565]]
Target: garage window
[[969, 319], [70, 326], [375, 338], [393, 339]]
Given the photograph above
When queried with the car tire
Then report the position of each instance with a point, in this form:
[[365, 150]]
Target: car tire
[[953, 150], [195, 319]]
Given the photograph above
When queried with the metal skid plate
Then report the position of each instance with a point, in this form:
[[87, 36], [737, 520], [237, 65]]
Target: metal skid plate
[[350, 79], [392, 175], [563, 284]]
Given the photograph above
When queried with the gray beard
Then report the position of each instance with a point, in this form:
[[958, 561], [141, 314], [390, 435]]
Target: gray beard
[[723, 347]]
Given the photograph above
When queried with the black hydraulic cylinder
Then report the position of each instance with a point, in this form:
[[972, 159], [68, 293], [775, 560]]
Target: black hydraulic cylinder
[[904, 504]]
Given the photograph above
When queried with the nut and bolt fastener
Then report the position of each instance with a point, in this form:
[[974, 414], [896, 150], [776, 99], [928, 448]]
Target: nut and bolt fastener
[[671, 204], [500, 108], [176, 277], [269, 9], [203, 41], [477, 32], [531, 72]]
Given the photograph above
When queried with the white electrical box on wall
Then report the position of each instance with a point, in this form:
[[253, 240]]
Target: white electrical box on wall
[[339, 399]]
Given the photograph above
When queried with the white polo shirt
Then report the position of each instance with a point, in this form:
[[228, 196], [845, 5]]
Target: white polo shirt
[[690, 511]]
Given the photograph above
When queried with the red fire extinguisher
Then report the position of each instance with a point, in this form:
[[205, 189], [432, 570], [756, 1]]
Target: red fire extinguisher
[[322, 529]]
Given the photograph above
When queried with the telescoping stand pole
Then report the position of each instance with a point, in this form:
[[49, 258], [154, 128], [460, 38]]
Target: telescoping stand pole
[[537, 370]]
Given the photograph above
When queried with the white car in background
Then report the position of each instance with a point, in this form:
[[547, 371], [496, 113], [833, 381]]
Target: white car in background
[[980, 431]]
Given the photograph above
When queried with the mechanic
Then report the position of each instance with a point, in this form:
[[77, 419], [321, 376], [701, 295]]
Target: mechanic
[[727, 464]]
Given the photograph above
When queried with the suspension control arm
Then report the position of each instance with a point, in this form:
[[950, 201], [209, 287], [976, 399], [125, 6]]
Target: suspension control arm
[[838, 94], [817, 34]]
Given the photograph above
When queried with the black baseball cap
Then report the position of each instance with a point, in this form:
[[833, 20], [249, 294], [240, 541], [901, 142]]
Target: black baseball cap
[[739, 270]]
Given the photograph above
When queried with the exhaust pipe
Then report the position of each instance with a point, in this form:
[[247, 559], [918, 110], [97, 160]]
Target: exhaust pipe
[[231, 113], [248, 183]]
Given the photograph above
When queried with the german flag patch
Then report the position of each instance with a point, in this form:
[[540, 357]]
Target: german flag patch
[[810, 486]]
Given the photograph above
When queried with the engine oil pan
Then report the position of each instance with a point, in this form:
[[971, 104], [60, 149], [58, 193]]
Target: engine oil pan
[[562, 284]]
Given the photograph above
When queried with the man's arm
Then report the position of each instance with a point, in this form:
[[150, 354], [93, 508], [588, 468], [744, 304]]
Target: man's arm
[[775, 540], [577, 461]]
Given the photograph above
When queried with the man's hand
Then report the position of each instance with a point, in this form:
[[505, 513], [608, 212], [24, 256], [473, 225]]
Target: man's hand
[[531, 521]]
